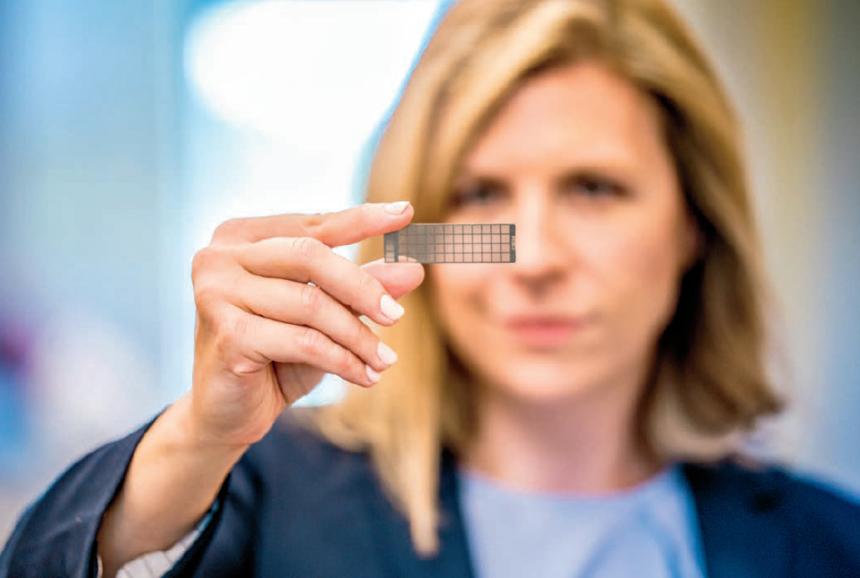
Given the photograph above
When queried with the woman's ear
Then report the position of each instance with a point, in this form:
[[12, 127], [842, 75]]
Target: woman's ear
[[693, 241]]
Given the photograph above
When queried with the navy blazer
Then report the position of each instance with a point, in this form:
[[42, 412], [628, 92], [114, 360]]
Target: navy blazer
[[297, 506]]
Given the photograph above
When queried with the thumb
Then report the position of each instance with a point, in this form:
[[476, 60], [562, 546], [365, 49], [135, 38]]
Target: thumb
[[397, 278]]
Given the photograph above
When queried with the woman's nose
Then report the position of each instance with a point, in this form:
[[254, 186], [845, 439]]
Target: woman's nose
[[540, 254]]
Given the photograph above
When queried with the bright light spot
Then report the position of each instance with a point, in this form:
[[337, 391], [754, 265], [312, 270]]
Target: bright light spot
[[320, 73]]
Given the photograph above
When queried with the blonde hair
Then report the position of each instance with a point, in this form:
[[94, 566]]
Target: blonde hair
[[708, 382]]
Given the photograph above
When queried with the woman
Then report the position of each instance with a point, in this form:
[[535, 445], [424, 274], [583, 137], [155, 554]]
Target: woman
[[576, 413]]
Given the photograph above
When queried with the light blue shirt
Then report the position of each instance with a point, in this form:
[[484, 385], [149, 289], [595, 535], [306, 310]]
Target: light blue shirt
[[650, 530]]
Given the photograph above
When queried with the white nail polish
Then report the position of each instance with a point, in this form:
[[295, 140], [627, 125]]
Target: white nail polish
[[372, 375], [390, 308], [396, 208], [386, 354]]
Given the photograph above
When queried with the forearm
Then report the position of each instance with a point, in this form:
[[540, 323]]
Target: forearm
[[172, 481]]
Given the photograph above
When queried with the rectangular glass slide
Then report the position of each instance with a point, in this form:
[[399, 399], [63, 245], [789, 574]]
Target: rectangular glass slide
[[452, 243]]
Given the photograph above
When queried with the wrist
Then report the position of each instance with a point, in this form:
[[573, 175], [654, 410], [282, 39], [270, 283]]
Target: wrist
[[189, 437]]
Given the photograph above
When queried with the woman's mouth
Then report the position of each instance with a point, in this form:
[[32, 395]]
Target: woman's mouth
[[544, 331]]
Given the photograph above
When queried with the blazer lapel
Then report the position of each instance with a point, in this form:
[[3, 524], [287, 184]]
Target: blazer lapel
[[392, 532], [739, 519]]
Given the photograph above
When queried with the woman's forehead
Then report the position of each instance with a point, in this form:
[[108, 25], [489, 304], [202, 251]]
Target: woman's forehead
[[583, 113]]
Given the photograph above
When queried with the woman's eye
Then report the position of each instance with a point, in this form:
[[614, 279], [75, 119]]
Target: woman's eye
[[594, 186], [477, 195]]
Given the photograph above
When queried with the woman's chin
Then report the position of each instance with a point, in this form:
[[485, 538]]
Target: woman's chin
[[542, 383]]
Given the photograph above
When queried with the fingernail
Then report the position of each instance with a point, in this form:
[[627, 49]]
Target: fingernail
[[396, 208], [386, 354], [372, 375], [390, 308]]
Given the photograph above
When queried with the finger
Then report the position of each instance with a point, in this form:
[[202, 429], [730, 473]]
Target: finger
[[334, 229], [297, 379], [304, 304], [397, 278], [305, 259], [285, 343]]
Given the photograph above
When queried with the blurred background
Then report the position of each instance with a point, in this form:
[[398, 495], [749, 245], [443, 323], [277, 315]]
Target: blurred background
[[129, 130]]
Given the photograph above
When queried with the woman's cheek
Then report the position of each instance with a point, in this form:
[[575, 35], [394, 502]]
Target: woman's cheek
[[647, 279], [455, 291], [609, 259]]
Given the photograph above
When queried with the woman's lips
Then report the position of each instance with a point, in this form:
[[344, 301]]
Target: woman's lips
[[545, 332]]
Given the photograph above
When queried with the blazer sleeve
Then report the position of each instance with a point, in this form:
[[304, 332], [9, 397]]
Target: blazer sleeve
[[56, 534]]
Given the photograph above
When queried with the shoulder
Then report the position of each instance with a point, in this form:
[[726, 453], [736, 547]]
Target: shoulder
[[811, 495], [294, 451], [821, 523], [770, 485], [296, 433]]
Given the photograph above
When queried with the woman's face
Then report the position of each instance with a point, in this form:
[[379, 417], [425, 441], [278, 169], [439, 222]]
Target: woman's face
[[576, 159]]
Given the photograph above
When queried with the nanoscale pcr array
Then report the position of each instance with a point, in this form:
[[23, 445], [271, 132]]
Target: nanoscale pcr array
[[452, 243]]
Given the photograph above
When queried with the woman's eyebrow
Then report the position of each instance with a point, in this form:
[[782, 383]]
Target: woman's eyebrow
[[612, 169], [617, 167], [480, 177]]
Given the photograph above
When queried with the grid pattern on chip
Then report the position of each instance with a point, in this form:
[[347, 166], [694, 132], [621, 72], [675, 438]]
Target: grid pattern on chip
[[452, 243]]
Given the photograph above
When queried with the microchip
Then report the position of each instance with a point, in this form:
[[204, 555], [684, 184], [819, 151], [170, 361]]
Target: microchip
[[452, 243]]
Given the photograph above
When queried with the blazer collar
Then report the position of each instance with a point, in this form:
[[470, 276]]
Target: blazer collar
[[741, 534]]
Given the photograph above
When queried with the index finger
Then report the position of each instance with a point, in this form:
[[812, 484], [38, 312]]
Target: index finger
[[334, 229]]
